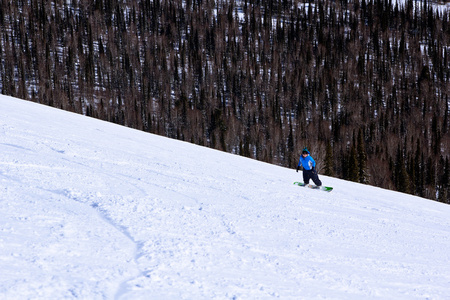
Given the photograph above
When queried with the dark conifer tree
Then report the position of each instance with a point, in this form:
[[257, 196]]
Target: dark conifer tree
[[353, 166], [329, 164], [362, 159]]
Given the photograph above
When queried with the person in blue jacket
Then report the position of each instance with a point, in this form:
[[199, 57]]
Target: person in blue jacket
[[309, 168]]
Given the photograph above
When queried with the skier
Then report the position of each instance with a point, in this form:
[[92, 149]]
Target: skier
[[309, 168]]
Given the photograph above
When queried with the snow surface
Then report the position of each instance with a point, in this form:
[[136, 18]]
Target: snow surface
[[93, 210]]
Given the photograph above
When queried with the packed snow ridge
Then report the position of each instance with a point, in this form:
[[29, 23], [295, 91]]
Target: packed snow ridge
[[93, 210]]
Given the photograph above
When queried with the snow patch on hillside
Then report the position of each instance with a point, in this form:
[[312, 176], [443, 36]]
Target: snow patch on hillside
[[94, 210]]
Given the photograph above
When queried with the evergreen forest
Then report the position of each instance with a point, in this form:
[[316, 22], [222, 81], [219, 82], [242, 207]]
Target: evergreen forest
[[363, 84]]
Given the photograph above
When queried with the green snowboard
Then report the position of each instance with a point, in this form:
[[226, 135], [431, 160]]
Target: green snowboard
[[315, 187]]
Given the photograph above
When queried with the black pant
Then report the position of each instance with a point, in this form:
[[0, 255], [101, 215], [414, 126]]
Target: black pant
[[311, 174]]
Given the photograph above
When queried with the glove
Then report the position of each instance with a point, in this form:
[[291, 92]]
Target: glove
[[298, 167]]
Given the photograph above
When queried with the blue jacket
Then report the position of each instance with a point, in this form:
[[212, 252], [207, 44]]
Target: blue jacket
[[307, 162]]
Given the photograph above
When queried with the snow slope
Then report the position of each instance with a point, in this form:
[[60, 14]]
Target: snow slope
[[93, 210]]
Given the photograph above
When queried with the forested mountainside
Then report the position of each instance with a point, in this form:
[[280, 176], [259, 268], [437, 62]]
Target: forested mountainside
[[363, 84]]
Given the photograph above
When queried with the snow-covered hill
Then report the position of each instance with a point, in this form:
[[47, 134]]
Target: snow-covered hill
[[92, 210]]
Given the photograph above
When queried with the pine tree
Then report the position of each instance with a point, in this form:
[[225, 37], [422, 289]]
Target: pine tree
[[329, 170], [446, 182], [401, 178], [419, 172], [362, 159], [353, 170], [444, 187]]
